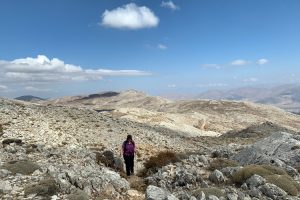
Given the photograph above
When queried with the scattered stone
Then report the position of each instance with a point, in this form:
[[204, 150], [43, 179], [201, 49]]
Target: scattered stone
[[156, 193], [272, 191], [5, 187], [232, 196], [255, 181], [216, 177], [212, 197]]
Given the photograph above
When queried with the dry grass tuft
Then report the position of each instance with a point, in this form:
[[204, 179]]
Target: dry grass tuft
[[161, 159], [263, 170], [221, 163], [284, 182]]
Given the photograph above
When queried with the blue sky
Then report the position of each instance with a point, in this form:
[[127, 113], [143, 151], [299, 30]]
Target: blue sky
[[54, 48]]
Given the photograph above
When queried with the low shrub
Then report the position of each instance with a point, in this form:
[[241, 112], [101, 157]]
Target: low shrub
[[263, 170], [22, 167], [44, 188], [106, 158], [284, 182], [161, 159], [220, 163], [209, 191]]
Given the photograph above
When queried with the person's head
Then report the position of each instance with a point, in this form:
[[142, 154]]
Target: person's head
[[129, 138]]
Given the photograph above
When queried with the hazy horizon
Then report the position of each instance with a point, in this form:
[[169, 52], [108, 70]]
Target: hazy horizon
[[63, 48]]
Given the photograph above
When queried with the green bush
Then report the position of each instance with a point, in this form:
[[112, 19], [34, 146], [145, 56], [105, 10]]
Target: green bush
[[220, 163], [284, 182], [209, 191], [263, 170]]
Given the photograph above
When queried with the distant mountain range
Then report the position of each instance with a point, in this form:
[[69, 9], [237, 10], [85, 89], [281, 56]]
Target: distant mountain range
[[286, 97], [29, 98]]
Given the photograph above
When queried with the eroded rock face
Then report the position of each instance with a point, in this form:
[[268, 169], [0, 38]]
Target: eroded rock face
[[278, 148]]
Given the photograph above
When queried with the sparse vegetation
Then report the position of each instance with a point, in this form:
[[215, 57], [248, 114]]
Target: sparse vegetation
[[263, 170], [284, 182], [139, 185], [106, 158], [1, 129], [220, 163], [45, 188], [22, 167], [161, 159]]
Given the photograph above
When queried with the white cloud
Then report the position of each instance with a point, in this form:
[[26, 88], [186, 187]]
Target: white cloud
[[130, 16], [35, 89], [172, 86], [251, 79], [216, 66], [3, 87], [239, 62], [162, 46], [262, 61], [170, 5], [42, 69]]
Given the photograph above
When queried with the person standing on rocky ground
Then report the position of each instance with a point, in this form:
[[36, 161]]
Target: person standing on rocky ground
[[128, 150]]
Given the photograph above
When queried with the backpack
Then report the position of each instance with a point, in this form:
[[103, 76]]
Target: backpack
[[128, 148]]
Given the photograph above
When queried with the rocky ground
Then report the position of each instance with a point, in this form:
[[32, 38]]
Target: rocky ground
[[65, 152]]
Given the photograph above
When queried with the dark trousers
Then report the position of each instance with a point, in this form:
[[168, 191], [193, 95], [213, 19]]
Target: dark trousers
[[129, 162]]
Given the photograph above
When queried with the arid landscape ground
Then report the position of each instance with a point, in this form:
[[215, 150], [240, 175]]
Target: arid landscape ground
[[69, 148]]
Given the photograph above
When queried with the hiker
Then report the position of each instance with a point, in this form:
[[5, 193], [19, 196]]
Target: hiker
[[128, 150]]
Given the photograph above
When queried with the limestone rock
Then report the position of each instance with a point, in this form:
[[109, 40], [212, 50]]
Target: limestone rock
[[217, 177], [156, 193], [277, 146], [272, 191], [255, 181], [5, 187]]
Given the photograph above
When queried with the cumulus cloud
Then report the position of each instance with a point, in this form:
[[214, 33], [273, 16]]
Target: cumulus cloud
[[130, 16], [170, 5], [162, 46], [43, 69], [239, 62], [262, 61]]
